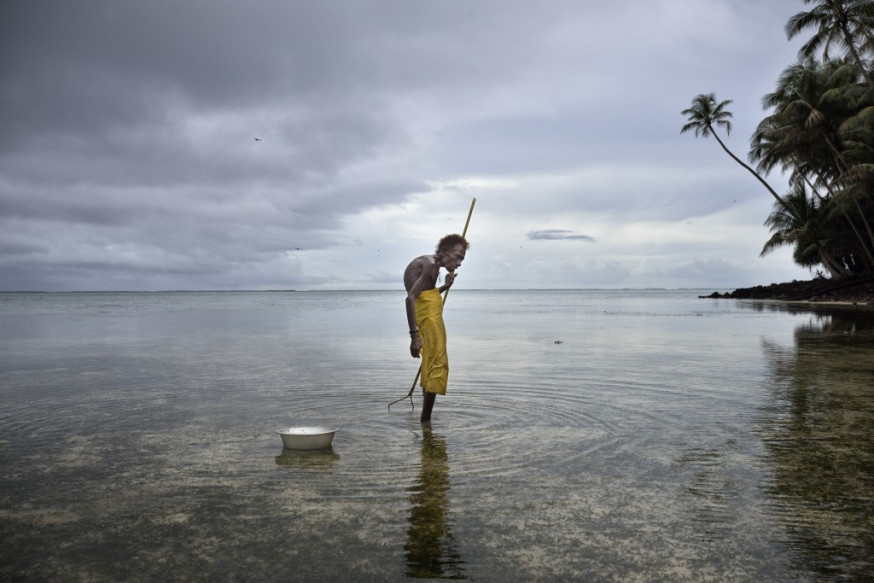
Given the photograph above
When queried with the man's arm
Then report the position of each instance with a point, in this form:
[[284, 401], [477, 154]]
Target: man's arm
[[415, 340], [417, 272]]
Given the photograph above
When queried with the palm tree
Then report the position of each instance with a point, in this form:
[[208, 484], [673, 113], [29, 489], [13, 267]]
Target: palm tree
[[804, 133], [804, 228], [843, 23], [809, 105], [704, 116]]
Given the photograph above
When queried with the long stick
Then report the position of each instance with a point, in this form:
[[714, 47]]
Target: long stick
[[445, 295]]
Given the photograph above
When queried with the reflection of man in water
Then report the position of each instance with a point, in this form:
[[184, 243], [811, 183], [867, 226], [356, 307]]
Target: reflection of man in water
[[425, 314], [431, 550]]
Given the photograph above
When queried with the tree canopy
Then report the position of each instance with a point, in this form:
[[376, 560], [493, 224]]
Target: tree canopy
[[820, 129]]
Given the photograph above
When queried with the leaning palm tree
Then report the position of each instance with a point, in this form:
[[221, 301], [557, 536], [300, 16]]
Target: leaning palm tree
[[845, 24], [705, 116]]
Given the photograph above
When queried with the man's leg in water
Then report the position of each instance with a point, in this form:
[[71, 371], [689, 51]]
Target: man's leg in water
[[427, 406]]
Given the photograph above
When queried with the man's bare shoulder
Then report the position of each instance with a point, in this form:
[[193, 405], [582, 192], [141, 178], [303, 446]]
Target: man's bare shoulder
[[417, 267], [421, 262]]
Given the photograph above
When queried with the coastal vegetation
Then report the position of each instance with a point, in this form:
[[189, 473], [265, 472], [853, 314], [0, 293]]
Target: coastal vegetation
[[820, 132]]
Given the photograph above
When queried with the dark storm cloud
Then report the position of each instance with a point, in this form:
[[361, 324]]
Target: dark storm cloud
[[128, 131], [96, 61], [155, 92]]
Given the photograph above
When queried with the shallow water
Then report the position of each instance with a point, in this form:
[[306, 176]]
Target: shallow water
[[586, 435]]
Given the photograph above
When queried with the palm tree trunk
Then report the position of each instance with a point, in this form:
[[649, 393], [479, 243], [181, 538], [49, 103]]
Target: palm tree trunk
[[844, 212], [810, 184], [822, 251], [844, 169], [851, 44], [834, 268], [864, 221], [753, 172]]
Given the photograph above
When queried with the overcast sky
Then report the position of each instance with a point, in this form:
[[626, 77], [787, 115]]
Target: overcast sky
[[291, 144]]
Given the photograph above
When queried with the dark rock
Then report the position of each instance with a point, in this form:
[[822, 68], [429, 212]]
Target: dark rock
[[859, 290]]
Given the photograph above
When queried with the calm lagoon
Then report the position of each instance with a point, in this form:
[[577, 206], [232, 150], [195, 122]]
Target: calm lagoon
[[586, 436]]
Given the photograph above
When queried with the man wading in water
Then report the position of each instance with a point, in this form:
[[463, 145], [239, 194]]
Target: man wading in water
[[425, 314]]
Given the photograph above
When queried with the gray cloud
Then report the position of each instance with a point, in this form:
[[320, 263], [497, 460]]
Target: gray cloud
[[128, 157], [557, 234]]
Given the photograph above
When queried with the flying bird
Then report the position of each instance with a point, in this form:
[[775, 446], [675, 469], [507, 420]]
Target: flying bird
[[257, 139]]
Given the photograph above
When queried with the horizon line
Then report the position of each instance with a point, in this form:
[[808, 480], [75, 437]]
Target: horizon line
[[288, 290]]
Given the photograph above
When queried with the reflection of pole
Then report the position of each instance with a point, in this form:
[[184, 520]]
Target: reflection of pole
[[445, 295], [431, 550]]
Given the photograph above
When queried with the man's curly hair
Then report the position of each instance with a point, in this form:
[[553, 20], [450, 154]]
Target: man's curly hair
[[450, 241]]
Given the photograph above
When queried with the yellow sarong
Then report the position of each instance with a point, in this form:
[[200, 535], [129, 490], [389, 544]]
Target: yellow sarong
[[435, 361]]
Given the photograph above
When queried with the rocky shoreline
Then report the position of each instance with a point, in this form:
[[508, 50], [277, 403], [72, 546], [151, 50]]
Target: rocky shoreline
[[858, 291]]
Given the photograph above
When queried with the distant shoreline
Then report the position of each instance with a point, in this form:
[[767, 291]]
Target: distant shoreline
[[856, 291]]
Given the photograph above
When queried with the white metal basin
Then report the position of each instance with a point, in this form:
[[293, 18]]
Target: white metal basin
[[307, 437]]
